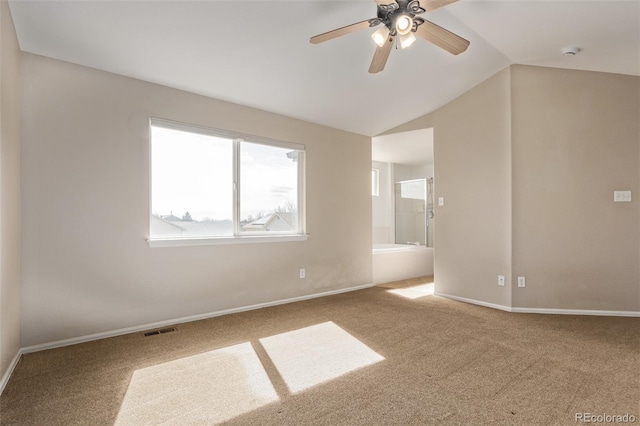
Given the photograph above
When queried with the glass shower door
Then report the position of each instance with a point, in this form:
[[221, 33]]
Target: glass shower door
[[410, 212]]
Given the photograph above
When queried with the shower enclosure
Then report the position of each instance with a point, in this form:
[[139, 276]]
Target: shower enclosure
[[414, 218]]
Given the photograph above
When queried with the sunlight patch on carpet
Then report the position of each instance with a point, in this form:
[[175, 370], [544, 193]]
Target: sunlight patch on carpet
[[317, 354], [207, 388], [414, 292]]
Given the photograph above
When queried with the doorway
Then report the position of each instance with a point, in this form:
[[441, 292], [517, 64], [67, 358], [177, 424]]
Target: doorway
[[402, 201], [403, 157]]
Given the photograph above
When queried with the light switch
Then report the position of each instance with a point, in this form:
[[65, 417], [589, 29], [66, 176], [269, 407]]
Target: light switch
[[441, 201], [621, 196]]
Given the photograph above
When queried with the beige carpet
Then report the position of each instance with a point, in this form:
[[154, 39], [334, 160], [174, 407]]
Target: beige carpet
[[374, 356]]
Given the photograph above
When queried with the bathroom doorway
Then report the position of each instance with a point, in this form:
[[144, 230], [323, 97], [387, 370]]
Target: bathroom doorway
[[403, 160], [402, 196]]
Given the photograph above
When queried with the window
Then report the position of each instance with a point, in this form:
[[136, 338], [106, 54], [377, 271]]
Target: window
[[375, 182], [214, 185]]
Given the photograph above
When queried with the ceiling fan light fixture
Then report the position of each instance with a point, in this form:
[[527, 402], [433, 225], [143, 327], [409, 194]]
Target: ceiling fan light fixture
[[380, 36], [406, 40], [403, 24]]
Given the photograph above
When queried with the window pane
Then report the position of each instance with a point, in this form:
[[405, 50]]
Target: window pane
[[375, 185], [413, 190], [268, 188], [191, 184]]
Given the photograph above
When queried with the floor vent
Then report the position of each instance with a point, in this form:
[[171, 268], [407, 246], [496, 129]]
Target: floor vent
[[161, 331]]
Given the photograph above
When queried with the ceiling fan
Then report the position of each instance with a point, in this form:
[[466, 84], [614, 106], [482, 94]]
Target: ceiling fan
[[399, 20]]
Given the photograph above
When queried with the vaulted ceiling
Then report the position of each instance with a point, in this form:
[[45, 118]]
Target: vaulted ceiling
[[257, 53]]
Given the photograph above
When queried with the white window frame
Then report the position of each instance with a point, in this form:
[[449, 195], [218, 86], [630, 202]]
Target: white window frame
[[239, 237]]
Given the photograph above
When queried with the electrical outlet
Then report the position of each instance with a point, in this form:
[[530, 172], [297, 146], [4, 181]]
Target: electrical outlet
[[302, 273], [440, 201], [521, 282], [622, 196], [501, 280]]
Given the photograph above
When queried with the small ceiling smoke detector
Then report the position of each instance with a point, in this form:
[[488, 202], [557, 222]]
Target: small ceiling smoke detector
[[570, 51]]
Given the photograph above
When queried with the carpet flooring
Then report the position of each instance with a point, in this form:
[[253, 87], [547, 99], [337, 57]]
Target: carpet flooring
[[369, 357]]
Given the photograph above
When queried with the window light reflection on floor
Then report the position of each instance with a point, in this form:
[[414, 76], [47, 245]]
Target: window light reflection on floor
[[208, 388], [414, 292], [216, 386], [312, 355]]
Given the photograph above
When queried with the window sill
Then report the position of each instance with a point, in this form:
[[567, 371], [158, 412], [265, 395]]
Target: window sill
[[214, 241]]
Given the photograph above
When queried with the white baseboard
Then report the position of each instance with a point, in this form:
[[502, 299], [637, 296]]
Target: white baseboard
[[550, 311], [7, 374], [474, 302], [593, 312], [159, 324]]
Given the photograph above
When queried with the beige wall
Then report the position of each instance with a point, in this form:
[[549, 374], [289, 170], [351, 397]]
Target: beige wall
[[9, 191], [472, 172], [575, 141], [87, 267], [528, 162]]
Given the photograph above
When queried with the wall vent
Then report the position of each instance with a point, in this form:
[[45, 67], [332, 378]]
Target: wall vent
[[160, 331]]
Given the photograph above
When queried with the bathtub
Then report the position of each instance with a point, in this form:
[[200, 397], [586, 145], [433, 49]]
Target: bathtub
[[395, 262]]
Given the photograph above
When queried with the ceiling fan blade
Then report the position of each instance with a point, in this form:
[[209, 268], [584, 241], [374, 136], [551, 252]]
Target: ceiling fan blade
[[445, 39], [385, 2], [342, 31], [430, 5], [381, 56]]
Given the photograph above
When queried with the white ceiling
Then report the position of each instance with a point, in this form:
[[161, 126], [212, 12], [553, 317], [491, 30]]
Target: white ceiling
[[257, 53], [414, 147]]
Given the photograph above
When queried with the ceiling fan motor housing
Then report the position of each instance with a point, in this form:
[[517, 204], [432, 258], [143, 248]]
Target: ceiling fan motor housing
[[391, 14]]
